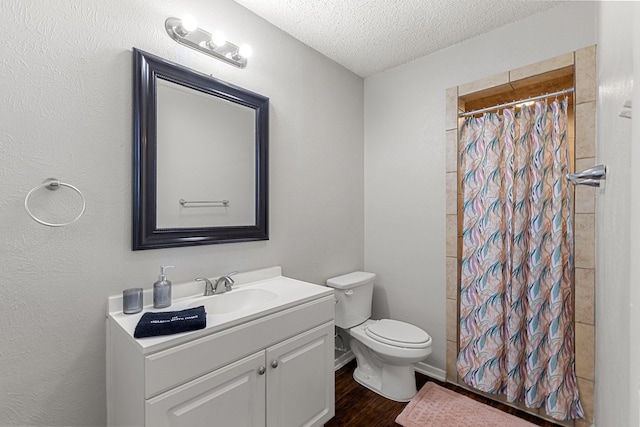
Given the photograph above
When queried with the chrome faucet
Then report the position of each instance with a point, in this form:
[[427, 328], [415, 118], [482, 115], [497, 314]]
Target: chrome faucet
[[212, 288], [208, 286], [226, 280]]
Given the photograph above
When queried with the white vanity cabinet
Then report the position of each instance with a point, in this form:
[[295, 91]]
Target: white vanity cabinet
[[274, 369], [284, 385]]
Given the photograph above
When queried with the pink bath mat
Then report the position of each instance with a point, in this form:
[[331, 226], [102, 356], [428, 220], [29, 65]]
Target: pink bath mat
[[436, 406]]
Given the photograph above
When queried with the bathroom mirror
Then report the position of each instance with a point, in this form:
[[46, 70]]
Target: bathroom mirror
[[199, 158]]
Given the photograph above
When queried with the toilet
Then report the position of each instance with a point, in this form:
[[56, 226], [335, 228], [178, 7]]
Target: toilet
[[385, 349]]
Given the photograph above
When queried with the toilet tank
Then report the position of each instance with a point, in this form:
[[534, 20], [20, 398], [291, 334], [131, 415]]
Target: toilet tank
[[353, 294]]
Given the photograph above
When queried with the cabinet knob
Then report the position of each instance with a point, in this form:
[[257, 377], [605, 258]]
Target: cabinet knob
[[274, 364], [262, 370]]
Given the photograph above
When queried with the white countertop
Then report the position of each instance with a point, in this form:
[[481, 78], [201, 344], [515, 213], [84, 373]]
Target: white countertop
[[289, 292]]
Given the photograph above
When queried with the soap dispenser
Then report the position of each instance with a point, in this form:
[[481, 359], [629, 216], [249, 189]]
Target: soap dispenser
[[162, 289]]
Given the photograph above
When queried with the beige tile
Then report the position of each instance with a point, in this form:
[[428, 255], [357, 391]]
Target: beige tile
[[585, 296], [452, 193], [452, 235], [451, 117], [452, 320], [584, 240], [586, 75], [452, 277], [552, 64], [586, 130], [585, 196], [582, 423], [586, 389], [585, 201], [585, 163], [451, 149], [483, 84], [452, 355], [585, 349]]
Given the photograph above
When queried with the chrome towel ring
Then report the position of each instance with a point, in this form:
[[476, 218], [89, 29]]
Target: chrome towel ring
[[54, 184]]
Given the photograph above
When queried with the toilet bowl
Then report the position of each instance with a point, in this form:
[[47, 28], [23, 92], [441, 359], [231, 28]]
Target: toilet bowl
[[387, 367], [385, 349]]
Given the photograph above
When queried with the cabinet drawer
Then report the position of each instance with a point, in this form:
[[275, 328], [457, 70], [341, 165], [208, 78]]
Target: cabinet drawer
[[178, 365]]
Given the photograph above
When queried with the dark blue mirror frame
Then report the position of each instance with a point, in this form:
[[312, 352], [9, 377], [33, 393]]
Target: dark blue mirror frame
[[146, 235]]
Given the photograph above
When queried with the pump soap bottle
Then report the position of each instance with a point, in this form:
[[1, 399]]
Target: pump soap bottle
[[162, 289]]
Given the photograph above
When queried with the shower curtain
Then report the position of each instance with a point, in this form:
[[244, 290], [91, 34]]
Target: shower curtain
[[516, 329]]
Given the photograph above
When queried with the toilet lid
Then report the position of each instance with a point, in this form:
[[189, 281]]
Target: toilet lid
[[401, 334]]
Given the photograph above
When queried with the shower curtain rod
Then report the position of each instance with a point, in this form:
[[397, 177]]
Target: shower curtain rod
[[508, 104]]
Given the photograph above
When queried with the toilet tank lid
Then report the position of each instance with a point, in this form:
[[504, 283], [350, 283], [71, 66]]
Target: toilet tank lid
[[351, 280]]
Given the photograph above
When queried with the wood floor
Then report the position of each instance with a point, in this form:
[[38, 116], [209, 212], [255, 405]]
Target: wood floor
[[357, 406]]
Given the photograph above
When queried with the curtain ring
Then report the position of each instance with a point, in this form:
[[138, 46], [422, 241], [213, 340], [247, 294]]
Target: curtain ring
[[54, 184]]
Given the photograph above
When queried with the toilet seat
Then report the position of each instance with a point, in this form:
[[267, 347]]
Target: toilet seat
[[397, 333]]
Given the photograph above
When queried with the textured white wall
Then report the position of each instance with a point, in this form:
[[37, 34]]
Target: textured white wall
[[634, 279], [613, 218], [405, 157], [66, 112]]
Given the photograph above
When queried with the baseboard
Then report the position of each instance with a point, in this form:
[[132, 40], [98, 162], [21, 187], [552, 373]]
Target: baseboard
[[430, 371], [344, 359]]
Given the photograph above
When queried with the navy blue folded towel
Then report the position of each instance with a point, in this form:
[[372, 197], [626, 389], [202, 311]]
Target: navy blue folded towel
[[171, 322]]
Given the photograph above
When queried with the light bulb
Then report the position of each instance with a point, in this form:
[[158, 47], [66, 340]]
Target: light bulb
[[245, 51], [218, 39], [189, 23]]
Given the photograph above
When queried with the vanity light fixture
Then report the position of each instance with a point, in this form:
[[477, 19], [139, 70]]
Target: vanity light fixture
[[186, 31]]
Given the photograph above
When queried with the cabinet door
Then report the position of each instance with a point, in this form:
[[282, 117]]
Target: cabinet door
[[229, 396], [300, 380]]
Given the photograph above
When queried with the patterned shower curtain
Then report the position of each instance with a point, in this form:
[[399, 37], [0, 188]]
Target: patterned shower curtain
[[516, 328]]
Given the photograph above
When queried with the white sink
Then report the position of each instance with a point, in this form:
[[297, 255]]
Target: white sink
[[235, 300]]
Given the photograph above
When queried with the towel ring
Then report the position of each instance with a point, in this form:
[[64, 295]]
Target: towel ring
[[54, 184]]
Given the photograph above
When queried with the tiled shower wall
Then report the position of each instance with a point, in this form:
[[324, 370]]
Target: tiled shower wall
[[584, 64]]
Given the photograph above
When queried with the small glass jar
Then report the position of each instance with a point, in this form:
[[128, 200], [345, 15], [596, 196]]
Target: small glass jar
[[132, 301]]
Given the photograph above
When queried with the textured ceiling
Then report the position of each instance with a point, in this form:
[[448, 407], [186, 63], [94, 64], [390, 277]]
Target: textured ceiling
[[369, 36]]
